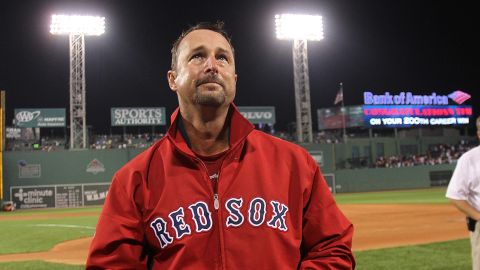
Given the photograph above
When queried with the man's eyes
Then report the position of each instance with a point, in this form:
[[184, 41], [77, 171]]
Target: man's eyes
[[196, 56], [200, 56], [223, 58]]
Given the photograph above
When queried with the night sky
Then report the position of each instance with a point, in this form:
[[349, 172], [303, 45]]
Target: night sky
[[419, 46]]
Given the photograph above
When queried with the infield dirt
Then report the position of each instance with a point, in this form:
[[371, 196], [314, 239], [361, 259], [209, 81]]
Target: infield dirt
[[376, 226]]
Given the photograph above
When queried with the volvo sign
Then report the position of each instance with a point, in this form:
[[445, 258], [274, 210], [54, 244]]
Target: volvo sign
[[258, 115]]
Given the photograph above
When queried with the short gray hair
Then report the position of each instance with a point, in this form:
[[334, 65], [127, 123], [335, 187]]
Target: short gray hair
[[215, 27]]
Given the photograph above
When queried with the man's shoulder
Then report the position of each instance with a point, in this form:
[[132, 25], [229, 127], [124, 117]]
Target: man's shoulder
[[473, 153]]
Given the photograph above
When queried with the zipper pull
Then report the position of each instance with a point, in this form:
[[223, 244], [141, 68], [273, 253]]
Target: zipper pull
[[216, 204]]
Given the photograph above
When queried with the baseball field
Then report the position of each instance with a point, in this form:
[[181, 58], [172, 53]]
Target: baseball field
[[412, 229]]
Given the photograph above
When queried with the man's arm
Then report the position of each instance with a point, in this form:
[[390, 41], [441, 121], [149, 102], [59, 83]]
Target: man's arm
[[466, 208], [119, 236], [327, 233]]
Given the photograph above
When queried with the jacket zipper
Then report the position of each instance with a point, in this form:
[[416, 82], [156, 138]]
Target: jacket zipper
[[216, 206], [216, 202]]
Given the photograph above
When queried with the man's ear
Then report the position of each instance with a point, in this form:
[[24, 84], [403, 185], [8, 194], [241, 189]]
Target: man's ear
[[171, 76]]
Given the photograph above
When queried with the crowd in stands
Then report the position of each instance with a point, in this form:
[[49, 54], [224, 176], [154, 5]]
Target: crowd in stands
[[102, 141], [143, 140], [437, 154], [46, 144], [327, 137]]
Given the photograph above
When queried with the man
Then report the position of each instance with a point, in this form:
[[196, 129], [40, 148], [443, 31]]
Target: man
[[214, 193], [464, 192]]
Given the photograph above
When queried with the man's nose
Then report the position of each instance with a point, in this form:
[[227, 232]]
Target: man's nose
[[211, 65]]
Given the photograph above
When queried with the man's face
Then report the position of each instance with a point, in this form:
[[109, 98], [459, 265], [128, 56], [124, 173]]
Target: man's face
[[205, 71]]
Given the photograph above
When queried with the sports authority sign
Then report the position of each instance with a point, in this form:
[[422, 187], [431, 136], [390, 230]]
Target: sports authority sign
[[258, 115], [32, 118], [145, 116]]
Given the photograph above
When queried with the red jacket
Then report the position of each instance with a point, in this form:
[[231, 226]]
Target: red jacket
[[272, 210]]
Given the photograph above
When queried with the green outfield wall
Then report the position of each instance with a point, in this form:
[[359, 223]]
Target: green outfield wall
[[72, 176], [376, 179], [61, 167]]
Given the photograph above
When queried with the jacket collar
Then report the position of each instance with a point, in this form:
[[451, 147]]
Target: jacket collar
[[240, 127]]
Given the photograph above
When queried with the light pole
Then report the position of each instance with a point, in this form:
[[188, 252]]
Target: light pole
[[77, 27], [300, 28]]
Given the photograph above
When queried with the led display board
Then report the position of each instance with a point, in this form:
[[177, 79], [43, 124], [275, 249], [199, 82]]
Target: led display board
[[332, 118], [407, 109]]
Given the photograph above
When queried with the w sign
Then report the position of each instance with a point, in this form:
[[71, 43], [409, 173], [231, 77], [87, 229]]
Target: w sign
[[258, 115]]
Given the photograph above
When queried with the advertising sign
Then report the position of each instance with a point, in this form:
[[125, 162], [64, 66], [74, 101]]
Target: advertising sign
[[95, 166], [32, 118], [95, 194], [317, 156], [33, 197], [332, 118], [59, 196], [13, 133], [258, 115], [407, 116], [407, 109], [26, 170], [146, 116], [68, 196]]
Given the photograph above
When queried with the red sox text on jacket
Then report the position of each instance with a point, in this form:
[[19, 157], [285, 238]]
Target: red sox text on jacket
[[202, 216]]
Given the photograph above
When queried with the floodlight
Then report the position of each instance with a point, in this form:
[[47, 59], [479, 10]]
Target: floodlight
[[77, 25], [299, 27]]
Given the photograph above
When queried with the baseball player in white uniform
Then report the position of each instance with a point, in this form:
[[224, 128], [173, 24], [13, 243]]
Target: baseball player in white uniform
[[464, 192]]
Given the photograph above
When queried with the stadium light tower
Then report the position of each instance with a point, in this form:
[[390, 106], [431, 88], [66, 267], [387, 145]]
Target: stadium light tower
[[77, 27], [300, 29]]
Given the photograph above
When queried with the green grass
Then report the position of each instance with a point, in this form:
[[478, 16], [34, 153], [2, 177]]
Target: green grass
[[440, 256], [36, 235], [39, 212], [21, 236], [38, 265], [424, 196], [451, 255]]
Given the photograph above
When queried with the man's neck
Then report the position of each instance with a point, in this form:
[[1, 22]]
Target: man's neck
[[207, 129]]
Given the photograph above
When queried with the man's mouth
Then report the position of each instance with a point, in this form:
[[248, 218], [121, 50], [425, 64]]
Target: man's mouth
[[209, 81]]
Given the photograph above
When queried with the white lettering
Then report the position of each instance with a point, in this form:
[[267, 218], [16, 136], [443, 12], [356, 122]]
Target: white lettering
[[375, 121], [392, 121]]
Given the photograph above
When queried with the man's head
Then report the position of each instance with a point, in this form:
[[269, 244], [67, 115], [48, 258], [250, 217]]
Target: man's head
[[203, 66], [215, 27]]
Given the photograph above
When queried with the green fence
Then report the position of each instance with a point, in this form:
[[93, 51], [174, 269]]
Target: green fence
[[73, 172], [375, 179], [38, 168]]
